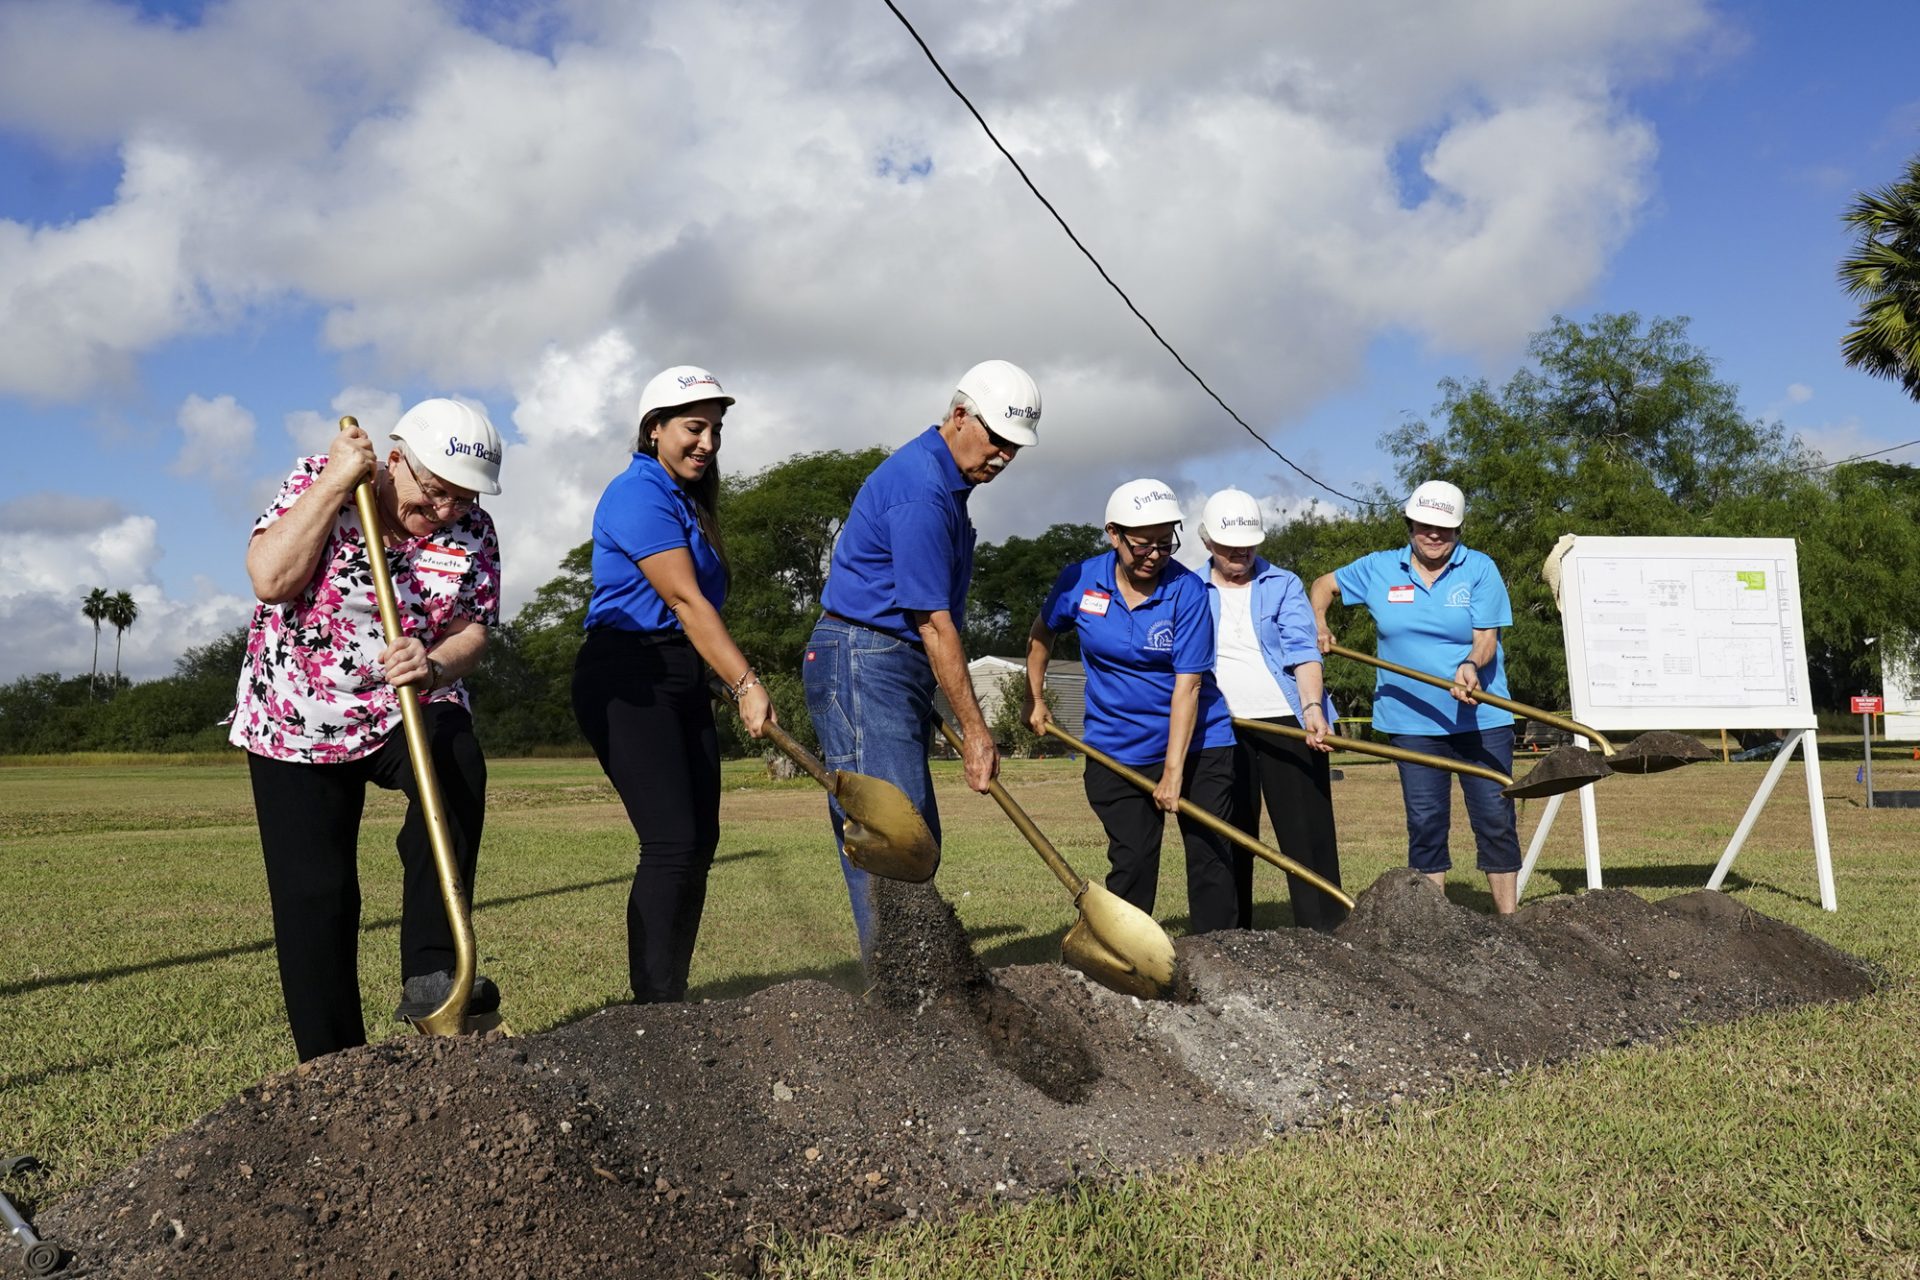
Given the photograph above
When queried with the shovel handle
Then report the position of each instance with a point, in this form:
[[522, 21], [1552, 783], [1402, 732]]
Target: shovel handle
[[451, 1017], [1481, 695], [1217, 825], [1383, 750], [781, 739], [1011, 807]]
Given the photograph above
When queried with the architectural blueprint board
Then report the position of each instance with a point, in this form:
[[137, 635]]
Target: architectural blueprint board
[[1685, 633]]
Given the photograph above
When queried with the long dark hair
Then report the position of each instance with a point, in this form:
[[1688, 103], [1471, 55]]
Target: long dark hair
[[705, 491]]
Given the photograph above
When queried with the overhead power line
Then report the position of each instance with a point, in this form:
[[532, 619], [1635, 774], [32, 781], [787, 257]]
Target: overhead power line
[[993, 138]]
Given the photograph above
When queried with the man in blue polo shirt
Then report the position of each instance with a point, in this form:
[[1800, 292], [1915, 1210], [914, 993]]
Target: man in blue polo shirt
[[1439, 607], [895, 601]]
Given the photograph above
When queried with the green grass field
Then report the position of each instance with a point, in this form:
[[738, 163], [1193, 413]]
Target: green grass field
[[138, 991]]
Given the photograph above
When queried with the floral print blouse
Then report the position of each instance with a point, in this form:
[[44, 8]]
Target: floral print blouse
[[310, 687]]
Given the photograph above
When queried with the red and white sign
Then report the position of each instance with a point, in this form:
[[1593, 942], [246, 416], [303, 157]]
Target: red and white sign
[[1400, 595], [1863, 706], [1095, 602]]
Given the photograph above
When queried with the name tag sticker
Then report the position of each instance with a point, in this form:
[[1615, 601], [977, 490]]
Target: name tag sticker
[[435, 557], [1400, 595], [1095, 603]]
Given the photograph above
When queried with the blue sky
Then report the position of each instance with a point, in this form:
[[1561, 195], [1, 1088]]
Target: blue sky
[[222, 225]]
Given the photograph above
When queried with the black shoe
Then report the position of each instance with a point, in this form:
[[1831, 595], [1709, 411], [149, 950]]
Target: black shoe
[[421, 995]]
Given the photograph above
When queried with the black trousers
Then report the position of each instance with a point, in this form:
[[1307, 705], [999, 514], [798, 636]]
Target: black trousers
[[1298, 786], [309, 816], [642, 702], [1135, 828]]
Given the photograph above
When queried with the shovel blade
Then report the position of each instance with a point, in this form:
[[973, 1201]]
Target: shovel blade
[[884, 834], [1659, 751], [1119, 946], [1560, 770]]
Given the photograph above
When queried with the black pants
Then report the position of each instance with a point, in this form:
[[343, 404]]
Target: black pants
[[642, 702], [1298, 786], [309, 817], [1135, 827]]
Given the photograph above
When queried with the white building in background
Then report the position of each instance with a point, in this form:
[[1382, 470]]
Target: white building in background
[[1900, 686], [1067, 680]]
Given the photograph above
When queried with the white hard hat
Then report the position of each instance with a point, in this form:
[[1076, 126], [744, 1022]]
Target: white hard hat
[[1231, 518], [454, 441], [1439, 504], [1139, 503], [1007, 397], [682, 384]]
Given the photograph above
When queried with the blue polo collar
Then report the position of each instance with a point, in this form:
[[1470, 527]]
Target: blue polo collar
[[1458, 558], [949, 469]]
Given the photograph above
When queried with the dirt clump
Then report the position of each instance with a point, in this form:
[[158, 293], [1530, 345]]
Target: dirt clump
[[672, 1140]]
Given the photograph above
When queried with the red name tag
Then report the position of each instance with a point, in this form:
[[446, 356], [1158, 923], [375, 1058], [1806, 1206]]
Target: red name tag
[[1095, 602], [1400, 595], [437, 558]]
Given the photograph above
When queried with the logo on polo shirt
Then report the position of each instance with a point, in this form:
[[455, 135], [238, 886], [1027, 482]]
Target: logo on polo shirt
[[1460, 597], [1160, 638]]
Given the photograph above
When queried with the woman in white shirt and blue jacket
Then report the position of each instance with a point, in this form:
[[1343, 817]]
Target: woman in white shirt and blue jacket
[[1267, 664]]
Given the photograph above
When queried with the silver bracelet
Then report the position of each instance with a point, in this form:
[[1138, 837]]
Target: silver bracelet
[[747, 681]]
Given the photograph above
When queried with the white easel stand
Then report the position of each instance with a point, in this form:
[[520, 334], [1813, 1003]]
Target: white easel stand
[[1816, 805]]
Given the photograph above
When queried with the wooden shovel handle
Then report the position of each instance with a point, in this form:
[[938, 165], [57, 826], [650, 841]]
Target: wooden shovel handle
[[1216, 824], [1481, 695], [1011, 807]]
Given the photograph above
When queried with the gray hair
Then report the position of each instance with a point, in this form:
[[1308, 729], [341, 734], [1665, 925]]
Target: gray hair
[[961, 400]]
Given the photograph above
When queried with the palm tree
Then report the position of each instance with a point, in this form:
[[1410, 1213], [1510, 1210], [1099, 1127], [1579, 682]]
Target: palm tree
[[121, 611], [1884, 273], [94, 609]]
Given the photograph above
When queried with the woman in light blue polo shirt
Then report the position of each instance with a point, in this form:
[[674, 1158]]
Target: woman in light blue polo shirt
[[1146, 638], [639, 685], [1439, 607]]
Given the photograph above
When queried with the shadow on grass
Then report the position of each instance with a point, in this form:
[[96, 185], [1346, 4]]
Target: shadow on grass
[[1666, 875], [266, 944]]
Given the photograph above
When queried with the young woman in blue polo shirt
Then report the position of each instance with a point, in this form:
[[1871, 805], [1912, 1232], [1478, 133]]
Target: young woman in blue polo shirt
[[1146, 637], [1439, 607], [639, 686]]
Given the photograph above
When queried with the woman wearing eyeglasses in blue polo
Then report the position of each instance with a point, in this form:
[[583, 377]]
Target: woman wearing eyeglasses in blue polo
[[1146, 637]]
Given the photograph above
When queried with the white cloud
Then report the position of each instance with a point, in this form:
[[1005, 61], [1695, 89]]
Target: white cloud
[[375, 410], [48, 562], [1799, 393], [218, 437], [784, 192]]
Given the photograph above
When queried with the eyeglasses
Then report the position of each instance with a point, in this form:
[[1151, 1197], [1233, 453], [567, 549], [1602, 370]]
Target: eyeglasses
[[1141, 547], [437, 498], [997, 440]]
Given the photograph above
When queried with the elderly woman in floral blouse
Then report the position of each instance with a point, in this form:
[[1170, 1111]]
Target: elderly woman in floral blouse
[[319, 701]]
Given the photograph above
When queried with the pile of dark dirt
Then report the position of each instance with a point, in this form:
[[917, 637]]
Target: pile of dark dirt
[[668, 1140]]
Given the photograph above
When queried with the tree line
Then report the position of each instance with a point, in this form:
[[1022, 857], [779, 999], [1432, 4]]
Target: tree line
[[1615, 426]]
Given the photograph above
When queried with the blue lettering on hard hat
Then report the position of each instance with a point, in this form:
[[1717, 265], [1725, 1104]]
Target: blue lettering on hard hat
[[460, 448], [697, 380], [1021, 411]]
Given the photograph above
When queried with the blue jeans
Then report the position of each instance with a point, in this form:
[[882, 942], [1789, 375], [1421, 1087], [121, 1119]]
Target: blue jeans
[[870, 697], [1428, 793]]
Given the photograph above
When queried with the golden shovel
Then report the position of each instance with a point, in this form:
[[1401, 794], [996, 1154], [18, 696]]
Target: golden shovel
[[1215, 824], [884, 834], [1565, 768], [451, 1017], [1113, 942], [1383, 750]]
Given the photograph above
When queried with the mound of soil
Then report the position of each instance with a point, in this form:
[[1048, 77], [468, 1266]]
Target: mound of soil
[[669, 1140]]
